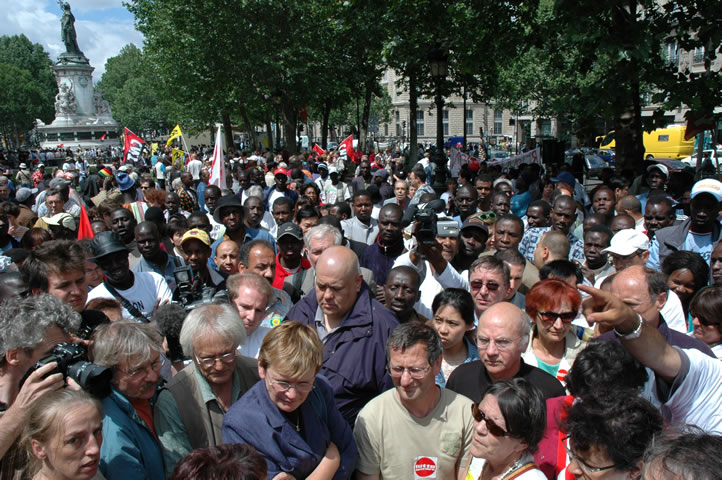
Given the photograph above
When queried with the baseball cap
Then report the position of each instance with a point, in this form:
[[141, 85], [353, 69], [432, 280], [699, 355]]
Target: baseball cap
[[24, 193], [57, 182], [63, 219], [565, 177], [290, 228], [626, 242], [196, 234], [381, 172], [332, 170], [322, 165], [660, 167], [708, 185], [474, 221], [41, 165], [280, 171]]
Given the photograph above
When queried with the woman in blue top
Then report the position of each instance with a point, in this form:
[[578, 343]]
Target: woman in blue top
[[290, 416], [453, 318]]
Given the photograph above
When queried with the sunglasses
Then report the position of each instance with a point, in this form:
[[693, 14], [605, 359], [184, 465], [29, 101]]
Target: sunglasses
[[478, 285], [492, 427], [551, 317]]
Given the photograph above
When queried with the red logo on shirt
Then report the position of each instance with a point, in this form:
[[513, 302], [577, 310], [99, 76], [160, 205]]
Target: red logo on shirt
[[425, 467]]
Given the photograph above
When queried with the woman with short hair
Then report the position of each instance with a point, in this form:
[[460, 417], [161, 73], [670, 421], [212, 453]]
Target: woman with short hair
[[552, 305], [63, 436], [290, 416], [705, 310], [189, 411], [133, 351], [509, 423]]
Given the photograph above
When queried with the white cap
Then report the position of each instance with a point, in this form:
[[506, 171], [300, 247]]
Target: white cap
[[660, 167], [707, 185], [332, 170], [626, 242]]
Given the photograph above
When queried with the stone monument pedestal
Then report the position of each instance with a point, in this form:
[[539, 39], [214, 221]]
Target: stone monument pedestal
[[82, 116]]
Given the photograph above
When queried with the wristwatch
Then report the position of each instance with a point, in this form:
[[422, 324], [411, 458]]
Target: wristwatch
[[634, 334]]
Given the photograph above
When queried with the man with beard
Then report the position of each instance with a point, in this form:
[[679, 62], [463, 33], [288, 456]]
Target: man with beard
[[597, 267], [227, 258], [698, 233], [123, 223], [658, 213], [401, 292], [361, 230], [563, 217], [138, 293], [466, 200], [153, 258], [289, 260], [657, 176], [389, 244]]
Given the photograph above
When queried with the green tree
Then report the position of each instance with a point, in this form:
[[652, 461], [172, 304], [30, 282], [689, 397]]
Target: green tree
[[28, 85]]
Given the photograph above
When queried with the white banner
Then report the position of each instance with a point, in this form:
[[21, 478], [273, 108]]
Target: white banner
[[532, 156]]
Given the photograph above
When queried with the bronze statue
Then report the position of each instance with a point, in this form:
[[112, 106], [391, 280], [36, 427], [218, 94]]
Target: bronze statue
[[67, 30]]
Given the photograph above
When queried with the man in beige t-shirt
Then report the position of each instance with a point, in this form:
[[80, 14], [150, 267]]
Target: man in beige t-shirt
[[418, 429]]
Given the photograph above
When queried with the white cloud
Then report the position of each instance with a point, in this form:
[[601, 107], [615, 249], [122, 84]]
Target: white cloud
[[99, 36]]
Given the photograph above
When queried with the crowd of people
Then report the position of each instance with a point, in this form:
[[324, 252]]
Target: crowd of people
[[327, 319]]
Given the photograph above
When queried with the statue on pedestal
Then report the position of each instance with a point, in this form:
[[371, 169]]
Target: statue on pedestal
[[67, 32], [65, 101]]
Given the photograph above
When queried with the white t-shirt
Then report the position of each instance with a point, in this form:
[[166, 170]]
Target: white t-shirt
[[194, 168], [160, 171], [148, 288]]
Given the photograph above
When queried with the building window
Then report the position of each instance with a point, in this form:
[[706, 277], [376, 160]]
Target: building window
[[671, 53], [469, 122], [419, 123], [545, 127], [497, 122], [445, 123], [386, 129], [398, 123], [698, 55]]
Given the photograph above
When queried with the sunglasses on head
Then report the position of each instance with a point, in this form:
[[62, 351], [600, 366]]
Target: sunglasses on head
[[551, 317], [492, 427]]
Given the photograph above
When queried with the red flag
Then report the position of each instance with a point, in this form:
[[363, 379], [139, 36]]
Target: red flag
[[318, 149], [60, 146], [345, 149], [85, 232], [698, 124], [133, 147], [103, 137]]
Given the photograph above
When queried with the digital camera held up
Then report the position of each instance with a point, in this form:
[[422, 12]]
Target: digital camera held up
[[72, 360], [191, 293]]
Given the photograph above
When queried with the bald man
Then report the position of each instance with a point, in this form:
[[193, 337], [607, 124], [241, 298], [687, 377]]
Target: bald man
[[353, 327], [503, 334], [552, 246], [227, 257]]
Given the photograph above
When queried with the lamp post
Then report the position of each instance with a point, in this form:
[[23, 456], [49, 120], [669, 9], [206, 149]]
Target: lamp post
[[439, 62], [276, 96]]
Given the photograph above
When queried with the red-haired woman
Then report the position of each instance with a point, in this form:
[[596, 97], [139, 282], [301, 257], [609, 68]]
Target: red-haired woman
[[552, 305]]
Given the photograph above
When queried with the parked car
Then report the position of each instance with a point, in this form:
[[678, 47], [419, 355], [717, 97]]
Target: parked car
[[673, 165], [714, 155]]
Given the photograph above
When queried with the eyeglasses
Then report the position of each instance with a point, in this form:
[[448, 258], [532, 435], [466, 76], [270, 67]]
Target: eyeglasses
[[478, 285], [210, 362], [580, 462], [153, 367], [501, 344], [282, 386], [551, 317], [492, 427], [417, 373]]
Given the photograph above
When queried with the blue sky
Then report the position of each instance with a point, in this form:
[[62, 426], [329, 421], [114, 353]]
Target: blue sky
[[103, 27]]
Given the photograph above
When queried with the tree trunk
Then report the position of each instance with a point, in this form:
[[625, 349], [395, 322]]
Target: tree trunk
[[290, 117], [413, 107], [269, 131], [368, 95], [324, 124], [249, 126], [227, 130]]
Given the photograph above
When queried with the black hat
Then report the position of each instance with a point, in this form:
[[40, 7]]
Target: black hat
[[106, 243], [290, 228], [226, 201]]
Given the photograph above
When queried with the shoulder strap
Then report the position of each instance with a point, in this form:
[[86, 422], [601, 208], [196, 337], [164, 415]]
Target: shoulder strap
[[522, 470], [126, 304]]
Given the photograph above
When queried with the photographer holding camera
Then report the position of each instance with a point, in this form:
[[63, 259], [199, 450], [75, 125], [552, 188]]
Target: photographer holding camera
[[29, 329]]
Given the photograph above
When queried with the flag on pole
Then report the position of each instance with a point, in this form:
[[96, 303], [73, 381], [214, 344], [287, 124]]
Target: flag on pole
[[345, 149], [218, 167], [318, 149], [177, 158], [175, 133], [85, 232], [103, 137], [133, 147]]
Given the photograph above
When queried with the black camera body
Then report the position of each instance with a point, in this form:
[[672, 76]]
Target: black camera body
[[189, 289], [426, 230], [72, 361]]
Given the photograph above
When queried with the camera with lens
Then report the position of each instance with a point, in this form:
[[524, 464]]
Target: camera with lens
[[190, 291], [426, 217], [72, 361]]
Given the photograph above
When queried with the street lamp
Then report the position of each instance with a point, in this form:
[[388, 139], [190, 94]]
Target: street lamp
[[276, 97], [439, 62]]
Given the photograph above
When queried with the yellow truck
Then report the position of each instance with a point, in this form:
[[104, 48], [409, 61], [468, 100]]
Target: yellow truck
[[660, 143]]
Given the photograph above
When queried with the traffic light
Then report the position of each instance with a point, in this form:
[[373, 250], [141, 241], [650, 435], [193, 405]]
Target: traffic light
[[403, 123]]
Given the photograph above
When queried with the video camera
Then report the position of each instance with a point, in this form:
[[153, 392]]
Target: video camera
[[191, 292], [429, 224], [72, 360]]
